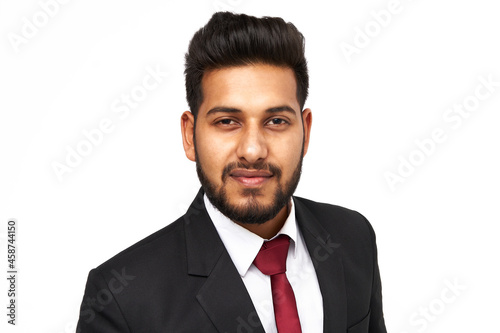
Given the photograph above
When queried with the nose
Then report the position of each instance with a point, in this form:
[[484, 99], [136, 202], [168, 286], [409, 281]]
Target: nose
[[252, 146]]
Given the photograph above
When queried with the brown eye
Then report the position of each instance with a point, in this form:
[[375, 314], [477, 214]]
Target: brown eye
[[226, 122], [277, 121]]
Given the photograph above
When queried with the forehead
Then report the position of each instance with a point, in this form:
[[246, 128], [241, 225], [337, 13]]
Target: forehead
[[251, 87]]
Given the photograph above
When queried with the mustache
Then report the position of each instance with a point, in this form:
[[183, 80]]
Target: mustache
[[272, 168]]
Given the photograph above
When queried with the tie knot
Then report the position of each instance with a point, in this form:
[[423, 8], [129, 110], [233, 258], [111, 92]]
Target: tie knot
[[271, 259]]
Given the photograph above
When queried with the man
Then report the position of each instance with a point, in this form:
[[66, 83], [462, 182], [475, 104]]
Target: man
[[247, 256]]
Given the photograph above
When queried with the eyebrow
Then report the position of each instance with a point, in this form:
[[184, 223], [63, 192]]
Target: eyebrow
[[275, 109]]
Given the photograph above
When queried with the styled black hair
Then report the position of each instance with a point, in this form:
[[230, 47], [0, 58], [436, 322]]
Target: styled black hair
[[230, 39]]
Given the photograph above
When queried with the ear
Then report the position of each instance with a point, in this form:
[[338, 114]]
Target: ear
[[187, 129], [307, 123]]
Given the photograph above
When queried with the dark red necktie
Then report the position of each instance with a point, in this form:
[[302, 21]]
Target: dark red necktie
[[271, 260]]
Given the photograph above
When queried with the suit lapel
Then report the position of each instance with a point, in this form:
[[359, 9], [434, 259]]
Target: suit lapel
[[327, 260], [223, 296], [226, 301]]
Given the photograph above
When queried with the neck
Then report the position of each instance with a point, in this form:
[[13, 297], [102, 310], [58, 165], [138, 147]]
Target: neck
[[270, 228]]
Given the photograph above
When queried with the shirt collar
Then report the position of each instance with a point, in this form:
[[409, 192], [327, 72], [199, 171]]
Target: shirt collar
[[242, 244]]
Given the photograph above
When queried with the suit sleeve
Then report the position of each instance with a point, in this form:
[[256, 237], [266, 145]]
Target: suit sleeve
[[99, 311], [377, 323]]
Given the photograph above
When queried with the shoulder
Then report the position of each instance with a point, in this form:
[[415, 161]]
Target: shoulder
[[339, 221], [166, 242], [326, 209]]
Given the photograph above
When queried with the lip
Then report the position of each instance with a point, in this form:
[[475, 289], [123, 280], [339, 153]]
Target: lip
[[251, 178]]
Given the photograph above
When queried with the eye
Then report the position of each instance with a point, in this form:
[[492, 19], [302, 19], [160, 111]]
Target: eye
[[226, 122], [277, 121]]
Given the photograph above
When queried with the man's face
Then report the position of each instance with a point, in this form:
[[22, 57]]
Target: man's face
[[249, 140]]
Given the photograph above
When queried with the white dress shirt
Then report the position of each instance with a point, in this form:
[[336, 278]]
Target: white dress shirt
[[243, 246]]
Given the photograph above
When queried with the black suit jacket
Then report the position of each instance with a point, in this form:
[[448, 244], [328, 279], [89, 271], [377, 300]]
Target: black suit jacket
[[181, 278]]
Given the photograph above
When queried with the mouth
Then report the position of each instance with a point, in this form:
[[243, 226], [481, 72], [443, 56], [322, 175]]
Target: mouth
[[251, 178]]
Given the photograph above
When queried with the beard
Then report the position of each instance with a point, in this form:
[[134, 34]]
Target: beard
[[252, 212]]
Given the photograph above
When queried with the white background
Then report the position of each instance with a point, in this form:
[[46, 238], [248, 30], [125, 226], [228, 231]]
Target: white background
[[439, 225]]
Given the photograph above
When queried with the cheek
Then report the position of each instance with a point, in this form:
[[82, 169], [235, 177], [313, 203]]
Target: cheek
[[290, 161], [212, 153], [287, 154]]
